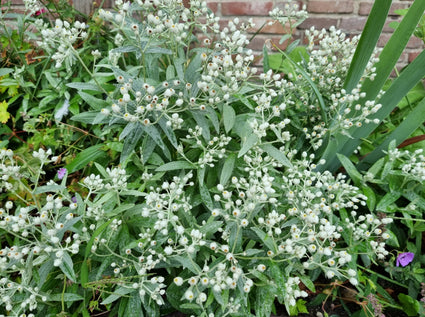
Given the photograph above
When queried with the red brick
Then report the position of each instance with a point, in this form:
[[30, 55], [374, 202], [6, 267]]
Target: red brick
[[365, 7], [352, 24], [246, 8], [413, 55], [213, 6], [383, 39], [414, 42], [318, 23], [327, 6], [275, 28]]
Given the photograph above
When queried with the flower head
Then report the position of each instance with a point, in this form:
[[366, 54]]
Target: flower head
[[404, 258], [62, 172]]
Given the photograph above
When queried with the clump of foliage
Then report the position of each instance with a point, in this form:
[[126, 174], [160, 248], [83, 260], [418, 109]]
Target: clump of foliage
[[193, 181]]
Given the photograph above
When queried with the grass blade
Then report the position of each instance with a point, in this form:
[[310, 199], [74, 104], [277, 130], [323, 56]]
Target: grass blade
[[393, 49], [402, 132], [367, 43]]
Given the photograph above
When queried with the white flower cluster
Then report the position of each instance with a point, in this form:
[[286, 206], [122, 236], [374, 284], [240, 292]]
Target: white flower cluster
[[60, 39], [292, 291], [32, 6], [7, 290], [301, 225], [412, 163], [116, 181], [40, 232], [291, 14], [225, 65], [221, 277], [8, 169], [163, 204], [329, 63], [212, 151]]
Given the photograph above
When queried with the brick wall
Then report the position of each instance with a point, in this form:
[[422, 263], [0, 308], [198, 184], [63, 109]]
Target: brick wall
[[348, 15]]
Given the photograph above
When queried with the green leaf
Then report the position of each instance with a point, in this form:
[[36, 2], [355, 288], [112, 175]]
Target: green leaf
[[211, 227], [392, 240], [229, 117], [44, 271], [169, 74], [203, 123], [212, 115], [350, 169], [118, 293], [49, 188], [276, 154], [192, 72], [301, 306], [308, 283], [279, 279], [125, 49], [371, 197], [120, 209], [376, 167], [191, 306], [87, 117], [250, 141], [67, 297], [95, 103], [410, 306], [67, 267], [206, 197], [5, 71], [267, 240], [280, 63], [387, 200], [84, 86], [131, 141], [176, 165], [84, 275], [169, 132], [158, 50], [101, 170], [188, 263], [155, 135], [86, 156], [264, 300], [227, 170], [4, 115]]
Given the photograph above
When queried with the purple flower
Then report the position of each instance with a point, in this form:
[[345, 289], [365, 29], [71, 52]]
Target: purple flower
[[62, 172], [404, 258], [74, 199]]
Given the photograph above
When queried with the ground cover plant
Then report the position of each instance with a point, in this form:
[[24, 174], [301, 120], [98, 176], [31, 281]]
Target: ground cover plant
[[147, 167]]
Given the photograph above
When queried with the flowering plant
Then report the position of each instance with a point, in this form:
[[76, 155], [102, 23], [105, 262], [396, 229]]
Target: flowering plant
[[212, 200]]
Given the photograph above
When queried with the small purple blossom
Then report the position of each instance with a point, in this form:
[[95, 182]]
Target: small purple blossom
[[62, 172], [74, 199], [404, 258]]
